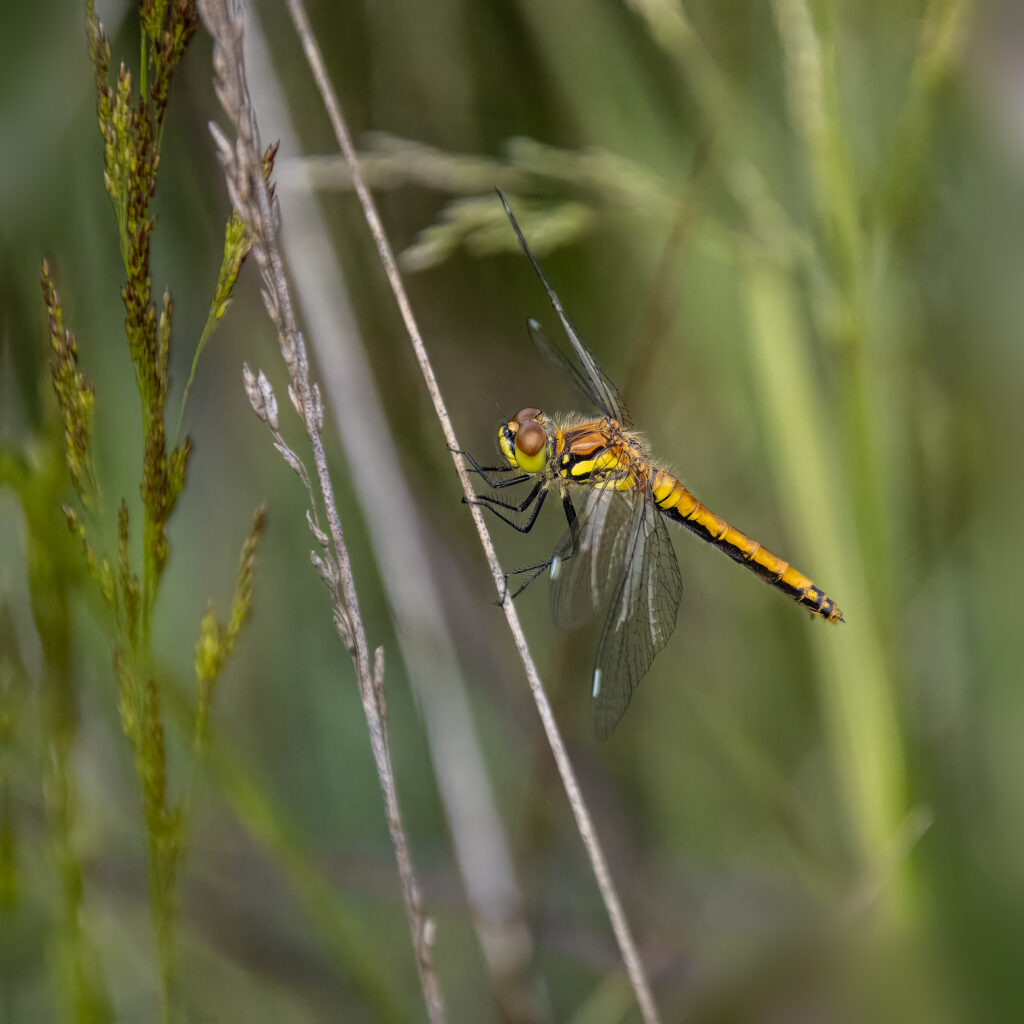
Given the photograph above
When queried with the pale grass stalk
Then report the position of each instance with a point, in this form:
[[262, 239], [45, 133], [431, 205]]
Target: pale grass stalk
[[858, 684], [857, 689], [944, 38], [401, 546], [242, 164], [584, 823], [671, 28]]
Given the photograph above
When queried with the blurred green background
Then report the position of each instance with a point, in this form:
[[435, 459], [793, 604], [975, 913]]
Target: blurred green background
[[793, 233]]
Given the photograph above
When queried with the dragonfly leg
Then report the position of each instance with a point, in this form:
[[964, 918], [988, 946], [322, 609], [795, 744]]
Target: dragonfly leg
[[496, 505], [540, 568], [497, 485], [484, 471], [574, 537], [570, 517], [537, 570]]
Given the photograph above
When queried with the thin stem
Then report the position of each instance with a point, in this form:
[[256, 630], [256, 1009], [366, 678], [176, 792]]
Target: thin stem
[[414, 590], [211, 321], [244, 173], [143, 61], [584, 822]]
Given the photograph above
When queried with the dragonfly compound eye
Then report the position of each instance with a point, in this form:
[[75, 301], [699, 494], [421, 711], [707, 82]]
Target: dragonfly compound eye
[[527, 415], [531, 439], [531, 453]]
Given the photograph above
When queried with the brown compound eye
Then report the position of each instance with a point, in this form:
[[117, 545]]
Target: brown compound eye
[[527, 415], [531, 437]]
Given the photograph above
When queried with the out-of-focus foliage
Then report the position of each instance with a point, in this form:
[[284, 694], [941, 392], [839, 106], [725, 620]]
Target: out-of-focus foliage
[[792, 233]]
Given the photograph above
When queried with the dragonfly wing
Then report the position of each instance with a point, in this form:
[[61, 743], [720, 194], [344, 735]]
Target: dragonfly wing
[[641, 616], [560, 362], [587, 561], [593, 383], [599, 386]]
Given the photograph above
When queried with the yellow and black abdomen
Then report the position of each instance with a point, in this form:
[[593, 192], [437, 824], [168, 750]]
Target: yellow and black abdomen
[[681, 506]]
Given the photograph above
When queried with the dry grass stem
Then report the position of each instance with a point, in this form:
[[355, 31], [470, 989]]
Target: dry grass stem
[[254, 201], [584, 823], [415, 590]]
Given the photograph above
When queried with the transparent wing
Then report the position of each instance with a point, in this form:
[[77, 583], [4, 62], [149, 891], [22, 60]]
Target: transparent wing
[[598, 385], [594, 385], [559, 361], [641, 616], [587, 562]]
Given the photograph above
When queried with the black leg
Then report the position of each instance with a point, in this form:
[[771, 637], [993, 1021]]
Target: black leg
[[536, 497], [535, 570], [528, 568], [540, 568], [497, 485], [487, 499], [570, 517], [483, 471]]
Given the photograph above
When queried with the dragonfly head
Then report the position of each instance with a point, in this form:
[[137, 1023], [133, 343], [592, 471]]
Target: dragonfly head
[[524, 441]]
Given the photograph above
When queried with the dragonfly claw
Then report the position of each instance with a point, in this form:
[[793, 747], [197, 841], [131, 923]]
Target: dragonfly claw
[[504, 592]]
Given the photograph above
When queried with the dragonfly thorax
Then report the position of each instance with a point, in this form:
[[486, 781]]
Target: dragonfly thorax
[[524, 441]]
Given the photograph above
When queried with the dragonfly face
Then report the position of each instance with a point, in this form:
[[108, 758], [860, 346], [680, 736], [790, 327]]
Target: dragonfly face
[[524, 441], [616, 556]]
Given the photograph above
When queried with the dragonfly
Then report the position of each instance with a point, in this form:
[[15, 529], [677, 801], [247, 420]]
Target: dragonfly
[[616, 555]]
